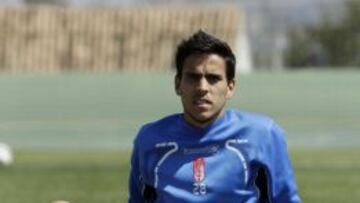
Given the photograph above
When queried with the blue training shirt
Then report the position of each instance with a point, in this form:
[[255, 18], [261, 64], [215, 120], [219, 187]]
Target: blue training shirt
[[174, 162]]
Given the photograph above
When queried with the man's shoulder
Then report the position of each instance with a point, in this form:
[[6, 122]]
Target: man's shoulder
[[259, 124], [154, 130], [251, 118], [161, 124]]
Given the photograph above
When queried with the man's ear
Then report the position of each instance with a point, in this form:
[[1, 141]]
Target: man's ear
[[177, 81], [231, 88]]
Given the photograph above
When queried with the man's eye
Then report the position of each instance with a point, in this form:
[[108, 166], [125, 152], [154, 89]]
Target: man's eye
[[193, 77], [213, 78]]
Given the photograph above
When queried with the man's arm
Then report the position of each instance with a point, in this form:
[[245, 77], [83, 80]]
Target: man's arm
[[135, 180], [282, 183]]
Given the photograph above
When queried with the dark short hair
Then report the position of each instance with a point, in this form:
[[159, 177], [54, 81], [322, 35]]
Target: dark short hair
[[204, 43]]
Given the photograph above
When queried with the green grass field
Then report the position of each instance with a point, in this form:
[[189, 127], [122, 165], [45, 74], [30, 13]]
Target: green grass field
[[72, 133], [40, 176]]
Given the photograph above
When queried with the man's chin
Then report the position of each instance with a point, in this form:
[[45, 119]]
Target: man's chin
[[201, 118], [204, 117]]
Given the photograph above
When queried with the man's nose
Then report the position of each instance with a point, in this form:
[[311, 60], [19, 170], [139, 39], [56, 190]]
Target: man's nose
[[203, 85]]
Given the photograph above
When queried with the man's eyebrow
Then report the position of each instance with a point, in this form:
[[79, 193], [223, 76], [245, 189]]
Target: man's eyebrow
[[192, 73], [214, 74]]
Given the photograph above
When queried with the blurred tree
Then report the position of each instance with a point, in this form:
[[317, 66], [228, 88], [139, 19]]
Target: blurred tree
[[328, 44]]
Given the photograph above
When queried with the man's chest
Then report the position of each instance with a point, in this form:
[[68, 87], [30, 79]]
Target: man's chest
[[215, 168]]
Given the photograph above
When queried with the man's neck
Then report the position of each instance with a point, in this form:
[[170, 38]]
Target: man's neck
[[201, 123]]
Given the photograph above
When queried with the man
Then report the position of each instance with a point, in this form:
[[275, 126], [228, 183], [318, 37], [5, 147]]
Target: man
[[209, 154]]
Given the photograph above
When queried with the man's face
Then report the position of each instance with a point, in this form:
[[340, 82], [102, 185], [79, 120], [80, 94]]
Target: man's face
[[203, 88]]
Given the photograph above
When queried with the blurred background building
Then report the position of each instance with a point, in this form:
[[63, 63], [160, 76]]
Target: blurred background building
[[270, 34]]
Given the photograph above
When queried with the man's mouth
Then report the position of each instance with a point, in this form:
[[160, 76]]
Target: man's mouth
[[202, 102]]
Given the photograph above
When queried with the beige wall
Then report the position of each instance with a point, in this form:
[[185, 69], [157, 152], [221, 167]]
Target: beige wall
[[54, 39]]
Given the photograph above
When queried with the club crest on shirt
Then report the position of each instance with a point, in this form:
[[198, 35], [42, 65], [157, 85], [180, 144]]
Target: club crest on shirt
[[199, 169], [199, 176]]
